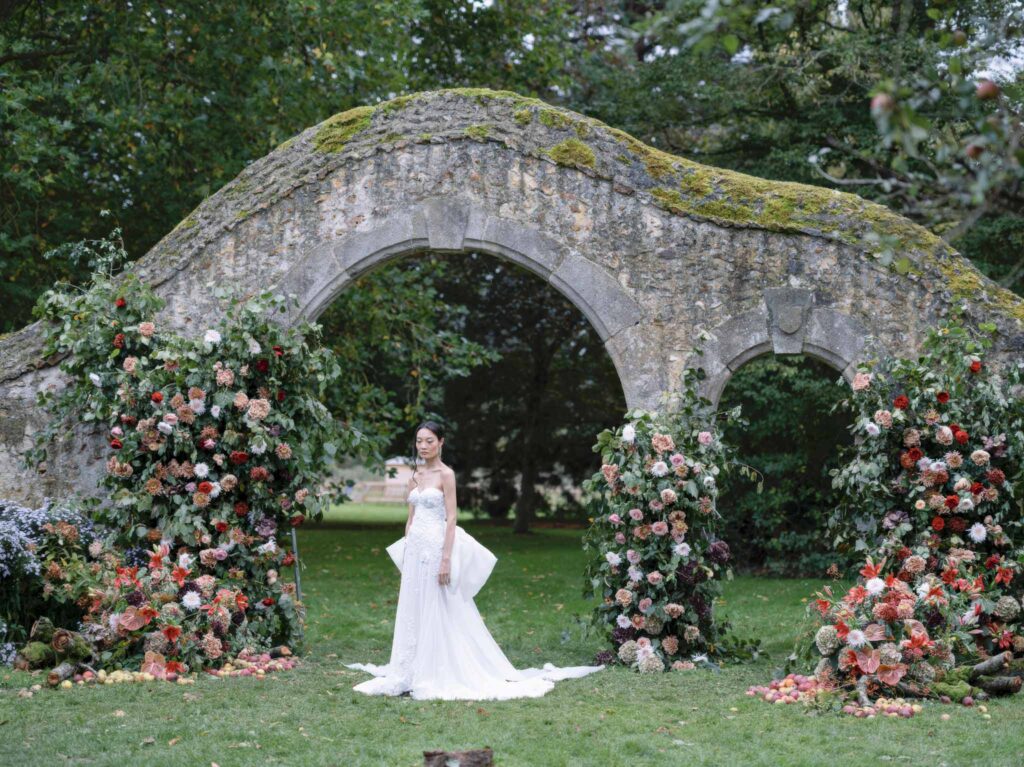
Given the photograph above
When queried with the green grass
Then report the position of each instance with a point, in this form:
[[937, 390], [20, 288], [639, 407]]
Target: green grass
[[359, 514], [311, 716]]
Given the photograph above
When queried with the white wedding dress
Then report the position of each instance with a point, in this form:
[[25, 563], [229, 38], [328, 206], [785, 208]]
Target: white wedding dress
[[441, 648]]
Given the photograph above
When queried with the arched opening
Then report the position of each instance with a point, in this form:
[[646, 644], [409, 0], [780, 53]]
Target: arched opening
[[792, 439], [516, 370]]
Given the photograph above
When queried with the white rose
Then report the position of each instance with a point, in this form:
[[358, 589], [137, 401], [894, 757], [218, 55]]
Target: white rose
[[628, 433], [215, 411], [659, 469], [212, 337], [164, 428], [613, 558], [254, 346], [875, 586], [681, 549], [872, 429]]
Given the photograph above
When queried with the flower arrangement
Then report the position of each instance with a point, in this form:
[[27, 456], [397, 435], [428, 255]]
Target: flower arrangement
[[931, 494], [656, 558], [217, 446]]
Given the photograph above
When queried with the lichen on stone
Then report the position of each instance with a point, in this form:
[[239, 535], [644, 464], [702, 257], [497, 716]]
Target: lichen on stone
[[573, 153]]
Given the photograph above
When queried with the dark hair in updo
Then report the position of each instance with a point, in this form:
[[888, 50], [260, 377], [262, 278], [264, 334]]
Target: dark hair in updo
[[438, 431]]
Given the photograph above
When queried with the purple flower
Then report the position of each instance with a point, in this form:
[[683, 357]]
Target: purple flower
[[719, 552]]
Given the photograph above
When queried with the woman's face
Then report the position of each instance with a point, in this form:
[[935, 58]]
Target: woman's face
[[427, 444]]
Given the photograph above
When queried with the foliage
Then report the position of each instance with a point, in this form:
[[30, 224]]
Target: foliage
[[34, 545], [791, 437], [658, 483], [145, 109]]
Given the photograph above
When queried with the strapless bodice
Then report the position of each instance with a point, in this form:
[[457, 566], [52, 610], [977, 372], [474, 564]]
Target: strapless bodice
[[428, 503]]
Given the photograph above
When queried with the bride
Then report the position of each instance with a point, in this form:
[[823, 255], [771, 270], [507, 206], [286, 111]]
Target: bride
[[441, 648]]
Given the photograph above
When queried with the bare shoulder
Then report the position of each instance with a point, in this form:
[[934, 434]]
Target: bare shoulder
[[448, 475]]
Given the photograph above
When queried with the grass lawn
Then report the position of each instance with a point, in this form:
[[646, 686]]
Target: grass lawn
[[310, 716]]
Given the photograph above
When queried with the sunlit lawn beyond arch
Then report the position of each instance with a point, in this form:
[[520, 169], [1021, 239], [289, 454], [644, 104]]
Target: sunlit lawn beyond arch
[[312, 717]]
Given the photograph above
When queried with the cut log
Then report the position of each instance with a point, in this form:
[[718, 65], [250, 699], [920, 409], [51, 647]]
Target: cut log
[[993, 665], [1000, 685], [63, 671], [481, 757], [35, 655]]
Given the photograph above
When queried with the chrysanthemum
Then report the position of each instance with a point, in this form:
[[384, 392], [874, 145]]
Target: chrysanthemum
[[977, 532]]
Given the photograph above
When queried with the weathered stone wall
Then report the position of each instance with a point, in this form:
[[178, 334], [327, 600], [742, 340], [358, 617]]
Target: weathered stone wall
[[652, 248]]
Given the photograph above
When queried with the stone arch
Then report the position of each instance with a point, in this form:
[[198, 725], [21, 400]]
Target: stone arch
[[652, 247], [786, 322]]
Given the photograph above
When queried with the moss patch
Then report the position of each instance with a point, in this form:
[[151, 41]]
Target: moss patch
[[338, 130], [573, 153], [478, 132], [523, 116], [965, 283]]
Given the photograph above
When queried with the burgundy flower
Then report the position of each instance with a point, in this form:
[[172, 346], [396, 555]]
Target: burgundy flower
[[262, 365], [120, 303], [719, 552]]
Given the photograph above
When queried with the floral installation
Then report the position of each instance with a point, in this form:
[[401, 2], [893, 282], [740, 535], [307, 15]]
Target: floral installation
[[656, 558], [931, 496], [216, 447]]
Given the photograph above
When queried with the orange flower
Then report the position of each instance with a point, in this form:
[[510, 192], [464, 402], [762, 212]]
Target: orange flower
[[179, 574], [242, 601], [171, 632]]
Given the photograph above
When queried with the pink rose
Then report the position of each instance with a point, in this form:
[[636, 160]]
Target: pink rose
[[633, 556], [645, 604], [620, 538], [677, 459], [654, 577], [615, 519], [636, 514], [704, 438], [660, 527]]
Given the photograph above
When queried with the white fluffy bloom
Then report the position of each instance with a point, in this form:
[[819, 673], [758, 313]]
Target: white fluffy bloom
[[94, 377], [659, 469], [254, 346], [856, 638], [709, 481], [164, 427], [216, 490], [923, 464], [937, 466], [872, 429], [185, 559], [681, 549], [197, 405], [623, 621], [201, 470], [875, 586], [258, 445], [628, 433], [966, 504], [977, 532], [211, 337], [191, 600], [270, 547], [635, 573], [613, 558], [215, 411]]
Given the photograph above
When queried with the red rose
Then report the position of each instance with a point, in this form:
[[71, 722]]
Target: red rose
[[992, 561], [222, 527], [206, 487], [943, 397], [995, 476], [119, 340], [297, 520], [280, 395], [961, 437], [915, 454], [901, 402], [903, 553], [288, 560], [952, 501], [157, 396], [241, 508], [120, 303], [238, 457], [262, 365], [278, 351], [975, 366], [938, 523], [976, 488], [268, 601], [954, 427], [116, 444], [259, 474]]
